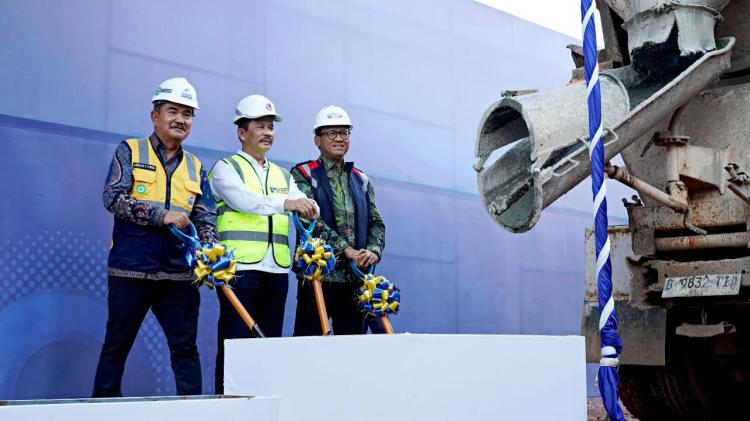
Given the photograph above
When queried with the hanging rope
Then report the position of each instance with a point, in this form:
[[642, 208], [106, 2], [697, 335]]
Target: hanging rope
[[377, 297], [611, 344], [214, 266], [315, 259]]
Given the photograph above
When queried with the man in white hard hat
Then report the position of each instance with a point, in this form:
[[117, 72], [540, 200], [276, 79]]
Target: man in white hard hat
[[253, 196], [349, 221], [154, 183]]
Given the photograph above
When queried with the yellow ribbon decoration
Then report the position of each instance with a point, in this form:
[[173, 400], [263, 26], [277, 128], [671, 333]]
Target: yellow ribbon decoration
[[317, 257], [208, 260], [375, 295]]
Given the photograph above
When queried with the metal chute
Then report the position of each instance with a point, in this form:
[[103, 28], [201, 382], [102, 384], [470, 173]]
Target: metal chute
[[549, 155]]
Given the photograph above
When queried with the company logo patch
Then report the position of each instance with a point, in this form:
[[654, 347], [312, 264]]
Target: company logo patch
[[143, 166], [191, 200], [334, 115], [186, 94], [283, 190], [165, 90], [140, 188]]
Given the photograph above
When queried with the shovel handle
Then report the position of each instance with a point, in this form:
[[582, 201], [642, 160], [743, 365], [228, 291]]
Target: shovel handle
[[386, 323], [244, 315], [321, 304]]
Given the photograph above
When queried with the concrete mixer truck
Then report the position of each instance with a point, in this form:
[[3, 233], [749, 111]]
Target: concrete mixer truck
[[675, 86]]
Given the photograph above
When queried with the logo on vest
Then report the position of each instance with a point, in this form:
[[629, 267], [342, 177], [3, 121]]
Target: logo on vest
[[191, 200], [143, 166], [283, 190], [140, 188]]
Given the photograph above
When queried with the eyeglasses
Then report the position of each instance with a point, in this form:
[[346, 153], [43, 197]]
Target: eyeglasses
[[331, 134]]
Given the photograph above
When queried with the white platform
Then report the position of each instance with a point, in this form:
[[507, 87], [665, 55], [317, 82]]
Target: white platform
[[143, 409], [413, 377]]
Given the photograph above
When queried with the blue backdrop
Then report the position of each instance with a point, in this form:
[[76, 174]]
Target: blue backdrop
[[415, 77]]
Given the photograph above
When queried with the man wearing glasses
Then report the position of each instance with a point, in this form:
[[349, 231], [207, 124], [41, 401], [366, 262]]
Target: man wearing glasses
[[349, 221]]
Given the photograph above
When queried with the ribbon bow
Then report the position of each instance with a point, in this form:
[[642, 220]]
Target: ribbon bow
[[212, 264], [314, 257], [377, 296]]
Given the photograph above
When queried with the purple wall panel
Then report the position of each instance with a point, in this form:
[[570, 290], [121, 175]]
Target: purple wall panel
[[415, 76]]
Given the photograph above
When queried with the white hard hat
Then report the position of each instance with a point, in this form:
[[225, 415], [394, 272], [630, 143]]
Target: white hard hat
[[331, 115], [177, 90], [255, 106]]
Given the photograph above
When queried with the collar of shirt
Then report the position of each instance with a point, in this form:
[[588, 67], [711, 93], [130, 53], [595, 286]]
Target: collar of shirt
[[161, 150], [331, 166], [259, 168]]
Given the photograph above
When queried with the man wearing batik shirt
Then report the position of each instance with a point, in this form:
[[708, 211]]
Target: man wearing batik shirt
[[349, 221], [153, 183]]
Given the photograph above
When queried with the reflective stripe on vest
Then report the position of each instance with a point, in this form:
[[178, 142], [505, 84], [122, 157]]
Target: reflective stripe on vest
[[249, 235], [150, 179], [253, 236]]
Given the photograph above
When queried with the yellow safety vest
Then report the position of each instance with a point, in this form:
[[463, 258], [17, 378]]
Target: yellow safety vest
[[247, 234], [150, 179]]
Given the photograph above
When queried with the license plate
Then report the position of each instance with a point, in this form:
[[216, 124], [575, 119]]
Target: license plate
[[702, 285]]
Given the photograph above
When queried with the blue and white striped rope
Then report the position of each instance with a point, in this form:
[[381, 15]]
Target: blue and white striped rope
[[611, 344]]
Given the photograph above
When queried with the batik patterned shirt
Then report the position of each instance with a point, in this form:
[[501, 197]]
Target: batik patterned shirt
[[344, 213], [117, 199]]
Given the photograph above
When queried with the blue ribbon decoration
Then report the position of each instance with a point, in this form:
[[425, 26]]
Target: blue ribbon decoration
[[377, 296], [190, 241], [212, 264], [611, 343], [314, 257]]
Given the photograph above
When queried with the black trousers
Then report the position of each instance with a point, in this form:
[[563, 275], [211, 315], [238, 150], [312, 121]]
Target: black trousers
[[264, 296], [175, 305], [346, 318]]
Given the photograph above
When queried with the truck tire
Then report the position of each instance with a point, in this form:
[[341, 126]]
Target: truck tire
[[636, 393], [661, 393]]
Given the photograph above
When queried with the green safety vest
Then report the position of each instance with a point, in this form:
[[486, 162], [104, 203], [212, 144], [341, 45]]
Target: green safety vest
[[247, 234]]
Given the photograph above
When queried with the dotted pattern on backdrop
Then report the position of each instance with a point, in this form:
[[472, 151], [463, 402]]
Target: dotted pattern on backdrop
[[85, 271], [37, 264]]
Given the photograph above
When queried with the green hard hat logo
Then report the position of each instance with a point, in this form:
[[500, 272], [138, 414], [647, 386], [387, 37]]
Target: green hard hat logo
[[140, 189]]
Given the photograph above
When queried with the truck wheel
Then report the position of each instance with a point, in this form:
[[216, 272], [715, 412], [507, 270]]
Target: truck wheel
[[662, 393], [636, 392]]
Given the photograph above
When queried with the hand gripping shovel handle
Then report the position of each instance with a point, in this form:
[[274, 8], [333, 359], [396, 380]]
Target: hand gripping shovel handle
[[244, 315], [305, 233], [321, 303]]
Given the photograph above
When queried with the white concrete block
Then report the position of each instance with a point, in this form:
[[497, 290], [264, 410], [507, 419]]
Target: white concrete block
[[413, 377], [143, 409]]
